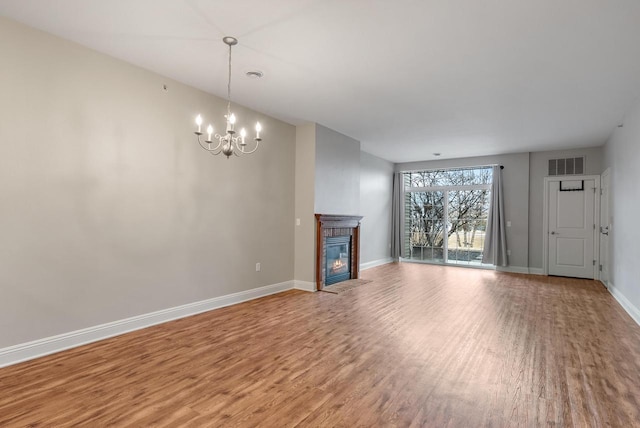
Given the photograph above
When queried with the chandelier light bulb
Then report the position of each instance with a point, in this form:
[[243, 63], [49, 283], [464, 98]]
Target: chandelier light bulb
[[231, 120], [209, 132], [199, 122], [258, 129], [243, 133]]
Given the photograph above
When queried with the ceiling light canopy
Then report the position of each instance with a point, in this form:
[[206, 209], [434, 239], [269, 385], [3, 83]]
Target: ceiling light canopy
[[228, 143]]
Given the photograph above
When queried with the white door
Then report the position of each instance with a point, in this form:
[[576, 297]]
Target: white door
[[605, 225], [571, 228]]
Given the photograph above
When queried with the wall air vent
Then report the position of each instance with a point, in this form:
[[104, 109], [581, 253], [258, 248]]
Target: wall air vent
[[567, 166]]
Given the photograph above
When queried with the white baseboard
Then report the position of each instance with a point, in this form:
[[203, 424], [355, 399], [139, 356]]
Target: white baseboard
[[631, 309], [49, 345], [536, 271], [304, 285], [379, 262]]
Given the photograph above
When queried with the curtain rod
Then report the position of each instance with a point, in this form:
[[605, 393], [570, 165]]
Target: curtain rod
[[451, 168]]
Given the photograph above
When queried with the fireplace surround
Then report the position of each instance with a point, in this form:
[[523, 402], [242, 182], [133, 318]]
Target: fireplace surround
[[337, 248]]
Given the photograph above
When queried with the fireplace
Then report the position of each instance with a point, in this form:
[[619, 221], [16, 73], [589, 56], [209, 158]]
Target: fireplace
[[338, 259], [337, 248]]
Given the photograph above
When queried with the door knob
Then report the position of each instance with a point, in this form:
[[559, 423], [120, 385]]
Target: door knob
[[554, 233]]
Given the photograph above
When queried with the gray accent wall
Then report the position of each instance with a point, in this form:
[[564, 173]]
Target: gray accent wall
[[110, 209], [337, 179], [622, 155], [376, 182]]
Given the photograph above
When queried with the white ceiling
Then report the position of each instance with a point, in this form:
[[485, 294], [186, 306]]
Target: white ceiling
[[407, 77]]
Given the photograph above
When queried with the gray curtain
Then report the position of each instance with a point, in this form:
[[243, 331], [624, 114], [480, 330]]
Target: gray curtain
[[495, 242], [397, 216]]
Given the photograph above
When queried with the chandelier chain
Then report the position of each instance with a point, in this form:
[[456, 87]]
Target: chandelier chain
[[229, 86]]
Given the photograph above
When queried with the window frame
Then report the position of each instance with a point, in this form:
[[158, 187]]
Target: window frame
[[445, 190]]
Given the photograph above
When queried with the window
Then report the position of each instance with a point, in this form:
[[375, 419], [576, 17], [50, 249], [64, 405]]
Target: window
[[446, 214]]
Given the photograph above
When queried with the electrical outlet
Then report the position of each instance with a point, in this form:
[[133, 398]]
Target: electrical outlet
[[508, 223], [258, 267], [508, 252], [297, 222]]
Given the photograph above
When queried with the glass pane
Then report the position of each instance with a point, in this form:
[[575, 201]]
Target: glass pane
[[427, 253], [468, 210], [426, 211], [477, 240], [481, 175], [438, 255], [416, 253], [450, 177], [434, 205], [459, 256]]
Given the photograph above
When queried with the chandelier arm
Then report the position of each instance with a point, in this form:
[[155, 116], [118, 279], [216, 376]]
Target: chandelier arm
[[248, 152], [207, 148], [218, 148]]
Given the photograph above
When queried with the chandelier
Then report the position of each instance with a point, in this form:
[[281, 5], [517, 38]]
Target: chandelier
[[228, 143]]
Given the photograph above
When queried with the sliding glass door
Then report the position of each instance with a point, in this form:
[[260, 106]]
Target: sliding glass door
[[446, 215], [467, 219], [427, 226]]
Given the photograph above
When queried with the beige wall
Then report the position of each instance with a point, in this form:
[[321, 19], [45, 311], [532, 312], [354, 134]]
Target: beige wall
[[109, 207], [376, 183], [304, 202]]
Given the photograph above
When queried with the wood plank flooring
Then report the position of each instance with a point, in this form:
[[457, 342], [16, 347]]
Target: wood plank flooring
[[420, 345]]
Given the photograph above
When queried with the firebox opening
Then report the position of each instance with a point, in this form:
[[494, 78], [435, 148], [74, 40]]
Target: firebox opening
[[338, 267]]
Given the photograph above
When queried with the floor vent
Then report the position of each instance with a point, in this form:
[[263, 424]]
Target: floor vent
[[566, 166]]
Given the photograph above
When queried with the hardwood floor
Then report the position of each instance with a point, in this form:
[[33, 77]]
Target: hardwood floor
[[421, 345]]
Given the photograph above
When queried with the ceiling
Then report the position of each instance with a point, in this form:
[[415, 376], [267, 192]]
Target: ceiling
[[408, 78]]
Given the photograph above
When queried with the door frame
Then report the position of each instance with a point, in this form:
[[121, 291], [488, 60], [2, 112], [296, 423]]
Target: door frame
[[607, 172], [596, 219]]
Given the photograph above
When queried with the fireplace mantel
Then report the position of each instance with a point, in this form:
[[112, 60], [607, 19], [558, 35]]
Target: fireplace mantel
[[336, 225]]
